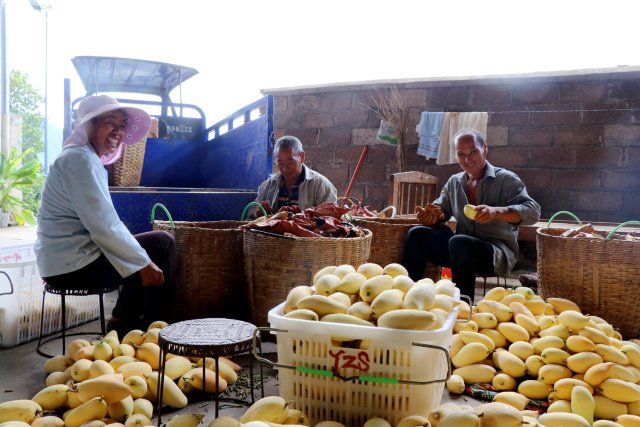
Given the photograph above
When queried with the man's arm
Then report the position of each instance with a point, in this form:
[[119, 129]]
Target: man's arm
[[485, 214], [519, 207]]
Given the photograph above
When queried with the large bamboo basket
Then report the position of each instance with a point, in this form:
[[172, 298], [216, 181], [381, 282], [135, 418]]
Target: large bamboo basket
[[602, 276], [389, 235], [275, 264], [211, 269]]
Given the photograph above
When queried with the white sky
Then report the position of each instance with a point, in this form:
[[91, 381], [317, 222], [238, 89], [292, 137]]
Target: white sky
[[242, 46]]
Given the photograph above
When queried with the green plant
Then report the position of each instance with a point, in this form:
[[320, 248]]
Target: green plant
[[20, 173]]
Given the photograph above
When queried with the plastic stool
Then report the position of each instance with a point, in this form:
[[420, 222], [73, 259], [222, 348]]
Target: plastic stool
[[70, 292]]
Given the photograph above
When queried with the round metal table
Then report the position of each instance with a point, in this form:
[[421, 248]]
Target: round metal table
[[213, 338]]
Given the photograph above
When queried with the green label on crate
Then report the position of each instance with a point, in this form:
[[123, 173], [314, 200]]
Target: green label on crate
[[314, 371], [378, 380]]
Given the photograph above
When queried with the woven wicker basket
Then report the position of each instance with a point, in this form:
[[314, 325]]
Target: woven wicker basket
[[275, 264], [211, 269], [389, 235], [127, 170], [387, 243], [602, 276]]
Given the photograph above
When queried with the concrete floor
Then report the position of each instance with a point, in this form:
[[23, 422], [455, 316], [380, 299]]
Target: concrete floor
[[22, 374]]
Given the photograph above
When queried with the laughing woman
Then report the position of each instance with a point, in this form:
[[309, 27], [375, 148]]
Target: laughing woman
[[81, 240]]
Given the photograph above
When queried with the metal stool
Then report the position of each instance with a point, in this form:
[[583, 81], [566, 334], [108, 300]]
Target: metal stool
[[70, 292], [206, 338], [484, 279]]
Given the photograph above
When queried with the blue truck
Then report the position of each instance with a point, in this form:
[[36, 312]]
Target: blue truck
[[199, 172]]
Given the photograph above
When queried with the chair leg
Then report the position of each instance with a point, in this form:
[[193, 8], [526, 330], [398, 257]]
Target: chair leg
[[484, 286], [102, 322], [64, 322], [44, 294]]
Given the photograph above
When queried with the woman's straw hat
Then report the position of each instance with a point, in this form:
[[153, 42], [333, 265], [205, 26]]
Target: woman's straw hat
[[138, 123]]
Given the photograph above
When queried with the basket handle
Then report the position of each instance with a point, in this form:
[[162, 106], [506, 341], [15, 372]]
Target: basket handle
[[560, 213], [610, 235], [342, 200], [388, 208], [153, 214], [249, 205]]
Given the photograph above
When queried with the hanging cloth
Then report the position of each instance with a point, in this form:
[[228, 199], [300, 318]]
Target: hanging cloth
[[453, 122], [429, 130]]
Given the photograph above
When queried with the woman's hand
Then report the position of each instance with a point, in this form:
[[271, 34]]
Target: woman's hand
[[151, 275]]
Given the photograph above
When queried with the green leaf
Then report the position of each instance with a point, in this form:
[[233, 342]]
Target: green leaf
[[25, 217], [18, 172]]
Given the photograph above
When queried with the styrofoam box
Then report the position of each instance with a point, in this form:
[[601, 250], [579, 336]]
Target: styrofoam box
[[389, 354], [21, 306]]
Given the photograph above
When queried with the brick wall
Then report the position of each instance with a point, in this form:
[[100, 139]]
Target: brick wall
[[573, 138]]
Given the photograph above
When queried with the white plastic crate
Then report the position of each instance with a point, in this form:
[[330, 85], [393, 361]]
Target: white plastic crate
[[390, 354], [19, 252], [21, 306]]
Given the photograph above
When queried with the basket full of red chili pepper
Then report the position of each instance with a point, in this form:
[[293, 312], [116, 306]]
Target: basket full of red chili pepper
[[284, 250]]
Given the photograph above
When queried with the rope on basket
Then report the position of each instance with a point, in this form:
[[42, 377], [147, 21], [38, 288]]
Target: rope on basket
[[10, 284], [166, 211]]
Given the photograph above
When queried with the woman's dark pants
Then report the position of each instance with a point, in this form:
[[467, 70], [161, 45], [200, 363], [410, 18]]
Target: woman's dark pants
[[137, 305]]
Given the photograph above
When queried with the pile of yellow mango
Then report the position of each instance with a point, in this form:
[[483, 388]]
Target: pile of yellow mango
[[115, 381], [529, 348], [372, 295]]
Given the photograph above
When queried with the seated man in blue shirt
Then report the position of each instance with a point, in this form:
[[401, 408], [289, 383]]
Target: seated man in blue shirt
[[295, 184], [486, 245]]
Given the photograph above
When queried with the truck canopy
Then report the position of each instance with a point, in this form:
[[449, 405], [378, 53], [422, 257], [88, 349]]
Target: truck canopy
[[111, 74]]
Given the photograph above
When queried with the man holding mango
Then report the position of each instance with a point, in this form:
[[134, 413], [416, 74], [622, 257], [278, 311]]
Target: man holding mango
[[485, 241]]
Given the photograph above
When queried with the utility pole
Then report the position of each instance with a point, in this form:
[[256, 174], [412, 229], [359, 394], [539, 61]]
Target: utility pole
[[4, 83], [45, 7]]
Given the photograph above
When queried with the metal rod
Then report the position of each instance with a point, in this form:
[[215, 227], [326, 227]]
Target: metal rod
[[4, 83], [46, 91], [355, 172]]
